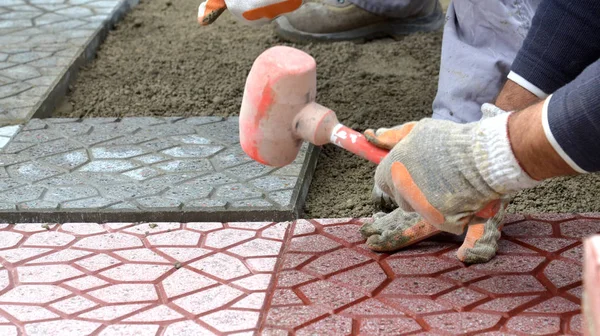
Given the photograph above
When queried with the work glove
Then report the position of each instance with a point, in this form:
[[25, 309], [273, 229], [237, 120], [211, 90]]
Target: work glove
[[255, 12], [449, 174], [398, 229]]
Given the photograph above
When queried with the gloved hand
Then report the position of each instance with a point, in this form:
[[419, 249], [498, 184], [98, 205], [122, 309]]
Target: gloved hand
[[487, 142], [398, 229], [257, 12], [449, 172]]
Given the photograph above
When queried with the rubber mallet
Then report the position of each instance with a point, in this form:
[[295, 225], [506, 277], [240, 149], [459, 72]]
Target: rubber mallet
[[279, 112]]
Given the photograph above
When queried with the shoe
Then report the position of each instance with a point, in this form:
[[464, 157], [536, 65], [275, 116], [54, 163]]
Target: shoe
[[339, 20]]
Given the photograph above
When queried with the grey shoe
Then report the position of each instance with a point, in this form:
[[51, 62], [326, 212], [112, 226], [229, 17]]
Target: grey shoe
[[339, 20]]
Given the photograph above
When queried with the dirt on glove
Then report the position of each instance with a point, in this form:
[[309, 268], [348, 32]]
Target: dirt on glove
[[159, 62]]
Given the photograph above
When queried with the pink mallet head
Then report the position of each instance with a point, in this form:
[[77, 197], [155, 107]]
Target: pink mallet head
[[278, 108]]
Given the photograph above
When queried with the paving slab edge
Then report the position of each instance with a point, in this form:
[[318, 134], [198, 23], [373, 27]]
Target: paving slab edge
[[45, 107], [281, 214]]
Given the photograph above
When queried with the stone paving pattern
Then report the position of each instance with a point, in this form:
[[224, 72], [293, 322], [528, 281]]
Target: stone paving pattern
[[309, 277], [135, 279], [330, 281], [98, 169], [42, 43]]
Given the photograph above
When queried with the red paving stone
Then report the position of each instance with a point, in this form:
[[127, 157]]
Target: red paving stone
[[330, 284], [310, 277]]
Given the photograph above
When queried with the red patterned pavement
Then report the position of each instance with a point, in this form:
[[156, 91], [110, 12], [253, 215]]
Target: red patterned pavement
[[219, 279], [329, 281]]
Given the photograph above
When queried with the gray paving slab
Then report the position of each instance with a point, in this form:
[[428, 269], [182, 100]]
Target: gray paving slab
[[143, 168], [42, 45]]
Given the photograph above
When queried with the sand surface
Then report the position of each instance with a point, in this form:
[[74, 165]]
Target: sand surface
[[160, 62]]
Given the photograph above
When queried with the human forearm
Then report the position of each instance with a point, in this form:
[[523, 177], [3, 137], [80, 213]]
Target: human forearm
[[560, 135], [514, 97], [530, 146]]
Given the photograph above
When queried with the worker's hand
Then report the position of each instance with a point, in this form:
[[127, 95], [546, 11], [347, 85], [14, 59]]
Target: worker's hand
[[398, 229], [393, 231], [449, 172], [256, 12]]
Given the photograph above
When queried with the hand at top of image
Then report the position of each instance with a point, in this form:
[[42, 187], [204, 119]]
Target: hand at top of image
[[256, 12]]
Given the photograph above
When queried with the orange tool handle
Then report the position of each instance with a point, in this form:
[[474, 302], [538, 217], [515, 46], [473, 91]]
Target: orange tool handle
[[356, 143]]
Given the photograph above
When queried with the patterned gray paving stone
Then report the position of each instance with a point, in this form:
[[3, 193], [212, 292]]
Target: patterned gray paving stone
[[171, 168], [42, 45]]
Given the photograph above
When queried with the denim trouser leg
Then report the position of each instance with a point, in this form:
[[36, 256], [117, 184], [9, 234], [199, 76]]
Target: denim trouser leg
[[481, 39]]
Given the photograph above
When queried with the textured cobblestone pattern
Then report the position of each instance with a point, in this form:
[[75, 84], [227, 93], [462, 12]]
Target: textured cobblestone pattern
[[172, 169], [309, 277], [147, 279], [42, 44], [330, 281]]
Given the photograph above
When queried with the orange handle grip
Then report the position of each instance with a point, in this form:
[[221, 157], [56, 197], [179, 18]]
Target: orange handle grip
[[356, 143]]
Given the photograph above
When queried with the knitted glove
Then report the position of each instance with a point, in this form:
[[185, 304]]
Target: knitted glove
[[400, 228], [256, 12], [450, 173]]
